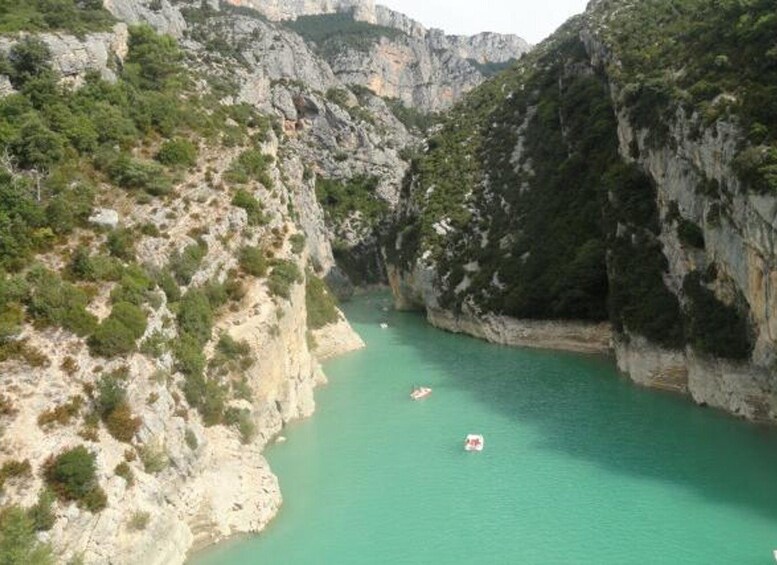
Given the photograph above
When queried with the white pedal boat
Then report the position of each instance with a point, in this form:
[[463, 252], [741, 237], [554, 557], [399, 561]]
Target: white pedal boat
[[474, 442]]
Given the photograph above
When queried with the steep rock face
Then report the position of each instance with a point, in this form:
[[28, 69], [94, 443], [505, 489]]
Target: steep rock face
[[683, 263], [424, 68], [162, 16], [73, 57]]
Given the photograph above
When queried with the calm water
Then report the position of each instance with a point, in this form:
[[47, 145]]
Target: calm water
[[580, 466]]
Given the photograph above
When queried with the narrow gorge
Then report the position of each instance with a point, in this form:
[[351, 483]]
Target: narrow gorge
[[189, 187]]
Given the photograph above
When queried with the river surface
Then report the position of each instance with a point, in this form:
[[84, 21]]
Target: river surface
[[580, 465]]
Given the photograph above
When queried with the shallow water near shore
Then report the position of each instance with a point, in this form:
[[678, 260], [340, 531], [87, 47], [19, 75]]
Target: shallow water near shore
[[580, 465]]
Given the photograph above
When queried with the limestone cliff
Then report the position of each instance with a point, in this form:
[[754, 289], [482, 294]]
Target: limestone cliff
[[400, 59], [591, 183]]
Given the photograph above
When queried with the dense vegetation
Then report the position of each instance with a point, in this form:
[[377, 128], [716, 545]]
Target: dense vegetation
[[717, 58], [74, 16], [332, 33], [562, 227], [342, 199]]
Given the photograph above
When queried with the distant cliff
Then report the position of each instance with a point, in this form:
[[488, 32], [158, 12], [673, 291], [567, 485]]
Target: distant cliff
[[397, 57]]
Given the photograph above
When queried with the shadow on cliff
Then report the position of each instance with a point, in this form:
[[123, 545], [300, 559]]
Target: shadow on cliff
[[581, 407]]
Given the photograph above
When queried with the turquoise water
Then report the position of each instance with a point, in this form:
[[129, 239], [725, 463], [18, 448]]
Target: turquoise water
[[580, 466]]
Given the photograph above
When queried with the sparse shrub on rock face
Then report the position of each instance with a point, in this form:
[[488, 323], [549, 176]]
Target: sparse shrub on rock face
[[178, 153], [18, 543], [72, 476]]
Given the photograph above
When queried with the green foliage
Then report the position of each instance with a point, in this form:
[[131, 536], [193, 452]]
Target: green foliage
[[253, 261], [490, 68], [189, 357], [153, 61], [254, 209], [413, 119], [18, 543], [186, 263], [121, 244], [42, 513], [690, 234], [135, 174], [284, 274], [297, 243], [74, 16], [686, 54], [169, 286], [321, 304], [178, 153], [639, 300], [72, 476], [241, 419], [195, 316], [14, 470], [716, 328], [124, 471], [118, 334], [251, 164], [55, 302], [28, 60], [191, 439], [154, 458], [333, 33], [343, 199]]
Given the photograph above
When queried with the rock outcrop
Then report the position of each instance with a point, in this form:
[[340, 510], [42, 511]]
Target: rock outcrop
[[426, 69]]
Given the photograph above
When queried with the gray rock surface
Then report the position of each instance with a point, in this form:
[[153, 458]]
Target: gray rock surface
[[424, 68]]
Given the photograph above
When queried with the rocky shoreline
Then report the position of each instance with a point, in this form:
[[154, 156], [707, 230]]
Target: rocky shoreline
[[502, 330]]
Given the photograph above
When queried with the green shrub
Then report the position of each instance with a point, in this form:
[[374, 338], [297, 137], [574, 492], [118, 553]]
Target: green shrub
[[191, 439], [178, 153], [131, 317], [241, 419], [231, 356], [124, 471], [169, 286], [42, 513], [14, 470], [188, 355], [716, 328], [186, 263], [121, 244], [342, 199], [252, 261], [254, 209], [154, 458], [251, 164], [135, 174], [690, 234], [18, 543], [284, 274], [139, 521], [320, 303], [297, 243], [122, 424], [195, 316], [135, 287], [112, 339], [55, 302], [72, 476], [117, 335]]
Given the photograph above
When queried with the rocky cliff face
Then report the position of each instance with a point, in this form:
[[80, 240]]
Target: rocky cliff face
[[683, 263], [424, 68]]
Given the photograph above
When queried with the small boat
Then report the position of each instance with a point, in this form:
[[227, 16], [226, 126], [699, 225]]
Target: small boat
[[775, 554], [384, 326], [474, 442], [280, 439], [419, 393]]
